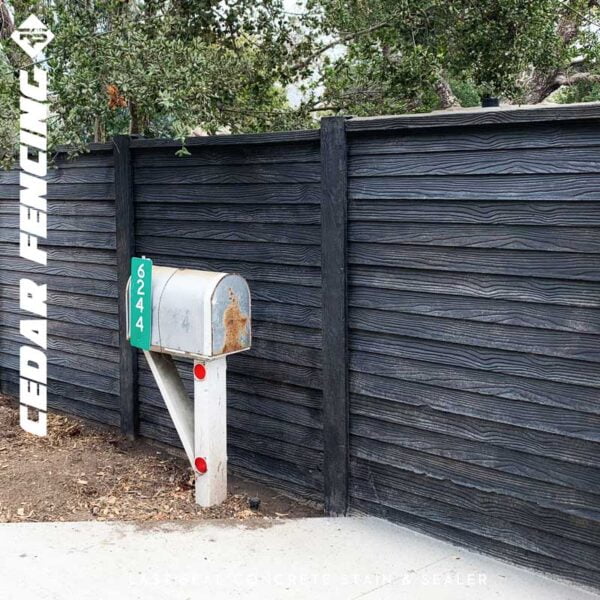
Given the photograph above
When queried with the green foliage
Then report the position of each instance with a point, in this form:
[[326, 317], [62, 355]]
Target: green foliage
[[398, 51], [167, 67], [157, 68]]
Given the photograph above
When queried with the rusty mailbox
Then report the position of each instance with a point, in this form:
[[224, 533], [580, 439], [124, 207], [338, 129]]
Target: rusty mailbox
[[199, 314], [204, 316]]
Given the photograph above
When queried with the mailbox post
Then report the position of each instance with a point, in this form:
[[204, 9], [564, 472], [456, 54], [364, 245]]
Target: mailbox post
[[204, 316]]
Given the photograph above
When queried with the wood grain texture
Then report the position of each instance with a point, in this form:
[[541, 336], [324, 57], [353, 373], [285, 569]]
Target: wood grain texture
[[528, 538], [482, 162], [282, 193], [125, 251], [235, 154], [475, 285], [479, 117], [540, 213], [292, 254], [231, 174], [485, 335], [524, 389], [486, 545], [496, 505], [489, 187], [563, 421], [520, 314], [67, 208], [507, 237], [486, 431], [545, 493], [558, 265], [250, 232], [291, 214], [231, 140], [562, 370], [334, 220]]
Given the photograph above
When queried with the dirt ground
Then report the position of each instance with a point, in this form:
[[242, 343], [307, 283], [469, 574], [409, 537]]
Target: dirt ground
[[83, 472]]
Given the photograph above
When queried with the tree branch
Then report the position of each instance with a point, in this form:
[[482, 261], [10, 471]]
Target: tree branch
[[565, 79], [345, 38]]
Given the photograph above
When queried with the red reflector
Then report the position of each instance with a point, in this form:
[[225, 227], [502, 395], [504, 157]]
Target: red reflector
[[201, 465], [199, 371]]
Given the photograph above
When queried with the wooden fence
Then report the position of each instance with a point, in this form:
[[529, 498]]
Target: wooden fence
[[425, 302]]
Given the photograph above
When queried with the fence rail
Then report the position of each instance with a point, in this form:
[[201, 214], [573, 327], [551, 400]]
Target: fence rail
[[426, 295]]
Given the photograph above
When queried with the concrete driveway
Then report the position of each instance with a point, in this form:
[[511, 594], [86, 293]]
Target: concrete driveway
[[302, 559]]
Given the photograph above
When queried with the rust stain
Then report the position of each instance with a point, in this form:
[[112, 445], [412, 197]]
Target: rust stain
[[235, 323]]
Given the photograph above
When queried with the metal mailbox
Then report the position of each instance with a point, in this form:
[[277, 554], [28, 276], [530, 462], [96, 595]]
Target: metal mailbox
[[198, 314]]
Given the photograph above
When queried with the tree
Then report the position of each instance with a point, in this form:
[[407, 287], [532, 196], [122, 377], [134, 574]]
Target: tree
[[154, 67], [418, 55]]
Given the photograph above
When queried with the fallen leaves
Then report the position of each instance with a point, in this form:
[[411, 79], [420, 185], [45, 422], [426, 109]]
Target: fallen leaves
[[83, 472]]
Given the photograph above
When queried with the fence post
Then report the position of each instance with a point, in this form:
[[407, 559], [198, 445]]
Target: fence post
[[125, 224], [334, 209]]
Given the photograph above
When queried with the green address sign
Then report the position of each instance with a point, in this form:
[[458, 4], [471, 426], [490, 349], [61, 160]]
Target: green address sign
[[140, 303]]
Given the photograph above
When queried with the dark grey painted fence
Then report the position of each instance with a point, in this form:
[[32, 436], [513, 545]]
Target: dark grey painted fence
[[425, 301]]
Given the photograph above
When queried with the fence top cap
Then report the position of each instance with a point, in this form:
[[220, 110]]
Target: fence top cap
[[455, 117]]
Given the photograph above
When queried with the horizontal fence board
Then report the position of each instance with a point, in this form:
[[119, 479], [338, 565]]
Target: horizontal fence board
[[229, 140], [466, 187], [58, 175], [483, 162], [559, 265], [69, 345], [468, 498], [575, 502], [522, 314], [522, 289], [291, 214], [539, 417], [73, 360], [60, 298], [530, 466], [64, 238], [238, 154], [270, 272], [71, 392], [498, 361], [292, 254], [507, 237], [69, 254], [251, 403], [251, 232], [66, 191], [76, 331], [540, 213], [291, 334], [59, 402], [66, 208], [56, 372], [89, 287], [449, 121], [484, 430], [61, 268], [485, 335], [491, 526], [231, 174], [78, 316], [75, 223], [82, 160], [487, 545], [525, 389], [281, 193]]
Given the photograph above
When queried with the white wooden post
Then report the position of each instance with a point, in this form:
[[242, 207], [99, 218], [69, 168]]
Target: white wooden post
[[210, 430]]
